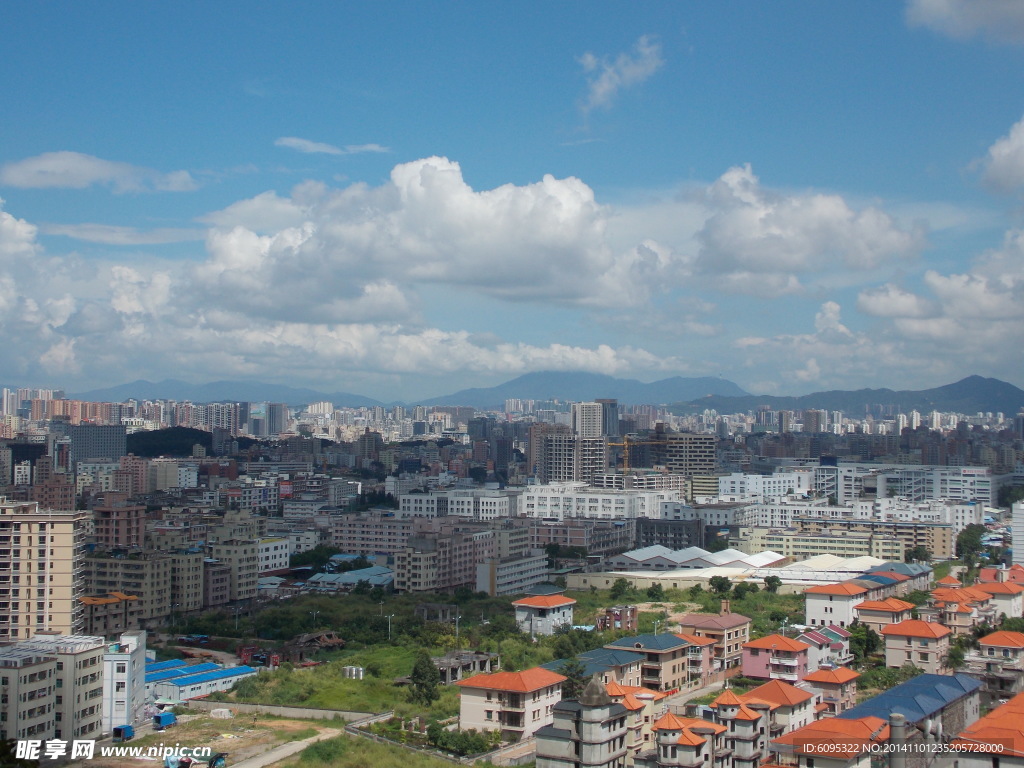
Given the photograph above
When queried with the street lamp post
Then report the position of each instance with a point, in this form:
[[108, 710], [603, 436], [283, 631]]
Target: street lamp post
[[457, 617], [314, 614], [390, 617]]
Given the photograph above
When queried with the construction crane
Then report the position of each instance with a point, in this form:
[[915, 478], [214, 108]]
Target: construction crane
[[626, 443]]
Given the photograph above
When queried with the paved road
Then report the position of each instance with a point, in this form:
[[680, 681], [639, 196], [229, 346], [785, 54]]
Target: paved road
[[280, 753]]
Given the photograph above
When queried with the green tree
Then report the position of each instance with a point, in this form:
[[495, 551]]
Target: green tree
[[8, 750], [1010, 494], [955, 658], [919, 553], [696, 591], [864, 641], [718, 544], [720, 585], [743, 589], [656, 591], [620, 588], [575, 678], [424, 680], [772, 584], [968, 542]]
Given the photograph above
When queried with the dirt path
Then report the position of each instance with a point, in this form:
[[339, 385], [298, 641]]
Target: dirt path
[[674, 617]]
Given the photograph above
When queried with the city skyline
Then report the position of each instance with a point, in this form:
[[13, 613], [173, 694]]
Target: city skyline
[[795, 198]]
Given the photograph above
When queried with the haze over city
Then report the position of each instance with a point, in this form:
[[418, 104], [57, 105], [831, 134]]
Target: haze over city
[[793, 196]]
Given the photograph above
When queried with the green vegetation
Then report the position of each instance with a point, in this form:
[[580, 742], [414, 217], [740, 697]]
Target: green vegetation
[[883, 678], [919, 553], [424, 680], [1010, 494], [350, 752], [575, 678]]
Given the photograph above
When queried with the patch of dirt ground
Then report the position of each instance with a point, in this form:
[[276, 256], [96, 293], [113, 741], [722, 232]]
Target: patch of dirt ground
[[674, 617], [241, 737]]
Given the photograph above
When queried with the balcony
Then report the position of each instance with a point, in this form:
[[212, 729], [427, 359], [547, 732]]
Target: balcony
[[784, 661]]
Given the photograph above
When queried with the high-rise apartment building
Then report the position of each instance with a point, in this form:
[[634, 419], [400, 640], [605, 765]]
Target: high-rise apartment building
[[588, 419], [90, 441], [78, 696], [41, 561], [686, 453]]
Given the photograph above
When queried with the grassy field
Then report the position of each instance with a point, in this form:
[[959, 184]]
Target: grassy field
[[349, 752], [326, 687]]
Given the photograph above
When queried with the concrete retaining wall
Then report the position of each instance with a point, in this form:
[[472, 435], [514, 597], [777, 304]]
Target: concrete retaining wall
[[303, 713]]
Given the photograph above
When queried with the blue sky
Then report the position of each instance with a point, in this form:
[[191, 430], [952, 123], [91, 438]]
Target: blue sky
[[410, 199]]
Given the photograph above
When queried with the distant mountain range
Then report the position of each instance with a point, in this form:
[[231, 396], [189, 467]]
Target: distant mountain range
[[556, 385], [969, 395], [220, 392]]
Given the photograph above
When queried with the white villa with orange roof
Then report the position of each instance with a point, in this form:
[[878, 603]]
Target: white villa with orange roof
[[877, 614], [543, 614], [921, 643], [1007, 597], [645, 707], [836, 688], [516, 703], [998, 664], [832, 603]]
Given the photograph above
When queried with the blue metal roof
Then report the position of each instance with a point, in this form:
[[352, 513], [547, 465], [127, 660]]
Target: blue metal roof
[[664, 642], [156, 666], [918, 698], [217, 674], [167, 674], [883, 580]]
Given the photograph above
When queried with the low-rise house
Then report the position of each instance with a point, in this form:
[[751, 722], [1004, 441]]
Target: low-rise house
[[827, 604], [877, 614], [683, 741], [729, 631], [195, 686], [775, 657], [591, 731], [997, 739], [789, 707], [610, 666], [836, 688], [999, 665], [645, 707], [700, 659], [543, 614], [828, 645], [923, 644], [1007, 598], [961, 609], [664, 667], [624, 617], [515, 703], [831, 743]]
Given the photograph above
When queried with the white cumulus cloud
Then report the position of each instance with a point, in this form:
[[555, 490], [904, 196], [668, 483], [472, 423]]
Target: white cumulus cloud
[[1003, 166], [759, 240]]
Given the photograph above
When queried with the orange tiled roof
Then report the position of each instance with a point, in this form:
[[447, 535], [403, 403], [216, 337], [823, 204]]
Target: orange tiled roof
[[848, 738], [1002, 728], [690, 739], [518, 682], [694, 640], [835, 589], [727, 698], [961, 595], [1004, 639], [781, 692], [778, 642], [545, 601], [746, 713], [672, 722], [889, 604], [1005, 588], [839, 675], [631, 702], [617, 689], [949, 580], [916, 628]]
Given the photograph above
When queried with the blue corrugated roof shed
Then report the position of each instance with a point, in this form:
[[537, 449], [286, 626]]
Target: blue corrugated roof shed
[[918, 698], [218, 674], [167, 674], [156, 666]]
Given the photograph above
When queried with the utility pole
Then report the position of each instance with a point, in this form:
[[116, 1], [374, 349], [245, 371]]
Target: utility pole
[[457, 617]]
